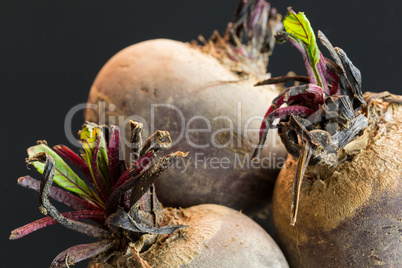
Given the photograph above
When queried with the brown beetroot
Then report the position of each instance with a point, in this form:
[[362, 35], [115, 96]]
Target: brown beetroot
[[337, 202], [350, 216], [216, 236], [212, 86]]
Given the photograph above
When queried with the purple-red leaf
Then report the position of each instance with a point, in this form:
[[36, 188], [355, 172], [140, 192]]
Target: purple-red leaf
[[113, 154], [281, 113], [334, 81], [74, 159], [309, 93], [66, 198], [41, 223]]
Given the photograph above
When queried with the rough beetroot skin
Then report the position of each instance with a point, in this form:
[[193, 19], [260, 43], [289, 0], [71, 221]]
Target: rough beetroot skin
[[200, 86], [351, 217], [216, 236]]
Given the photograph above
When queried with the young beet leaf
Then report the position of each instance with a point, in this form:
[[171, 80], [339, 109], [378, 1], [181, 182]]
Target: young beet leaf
[[302, 36], [117, 220]]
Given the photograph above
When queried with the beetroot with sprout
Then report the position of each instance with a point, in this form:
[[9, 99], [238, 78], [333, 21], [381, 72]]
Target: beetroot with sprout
[[122, 210], [208, 101], [337, 201]]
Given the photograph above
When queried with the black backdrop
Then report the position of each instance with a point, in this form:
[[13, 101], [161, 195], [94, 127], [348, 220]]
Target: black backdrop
[[52, 50]]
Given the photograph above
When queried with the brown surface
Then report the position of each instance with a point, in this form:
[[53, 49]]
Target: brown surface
[[216, 236], [353, 217]]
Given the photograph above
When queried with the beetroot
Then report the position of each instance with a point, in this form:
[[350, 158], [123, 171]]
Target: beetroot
[[337, 201], [352, 215], [205, 96], [216, 236]]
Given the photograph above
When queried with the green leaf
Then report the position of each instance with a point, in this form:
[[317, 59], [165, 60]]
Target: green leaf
[[299, 26], [93, 142], [64, 175]]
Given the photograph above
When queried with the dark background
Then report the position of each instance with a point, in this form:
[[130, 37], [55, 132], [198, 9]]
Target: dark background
[[52, 50]]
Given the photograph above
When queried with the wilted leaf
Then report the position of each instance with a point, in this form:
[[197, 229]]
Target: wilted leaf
[[81, 252]]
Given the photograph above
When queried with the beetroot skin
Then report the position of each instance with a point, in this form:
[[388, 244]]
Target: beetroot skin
[[216, 236], [351, 216]]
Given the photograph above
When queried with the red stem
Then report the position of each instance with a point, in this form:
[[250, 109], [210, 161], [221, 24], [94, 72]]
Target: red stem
[[113, 155], [41, 223]]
